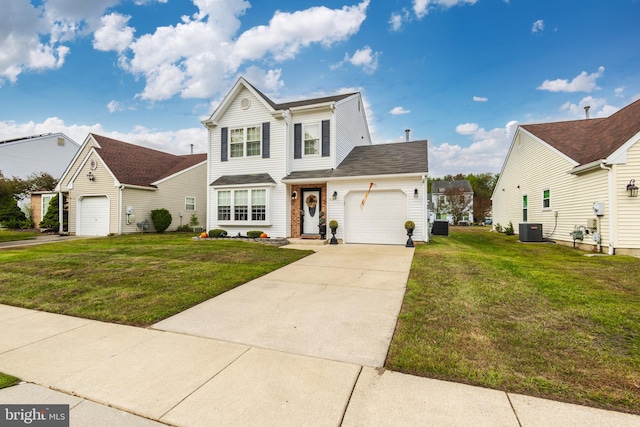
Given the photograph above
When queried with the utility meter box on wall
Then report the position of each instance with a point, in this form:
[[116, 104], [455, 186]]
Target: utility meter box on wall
[[598, 208]]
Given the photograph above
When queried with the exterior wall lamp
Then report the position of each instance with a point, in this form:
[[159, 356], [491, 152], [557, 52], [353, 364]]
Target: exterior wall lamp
[[415, 193], [294, 195], [91, 176], [632, 188], [335, 195]]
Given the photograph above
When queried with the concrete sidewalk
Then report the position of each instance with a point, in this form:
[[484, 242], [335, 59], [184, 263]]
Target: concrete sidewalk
[[307, 350]]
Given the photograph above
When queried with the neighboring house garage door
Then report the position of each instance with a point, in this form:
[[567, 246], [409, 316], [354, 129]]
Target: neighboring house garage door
[[380, 220], [94, 216]]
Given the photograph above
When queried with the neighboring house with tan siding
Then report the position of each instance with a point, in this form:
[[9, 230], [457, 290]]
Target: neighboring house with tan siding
[[555, 173], [111, 186], [274, 166]]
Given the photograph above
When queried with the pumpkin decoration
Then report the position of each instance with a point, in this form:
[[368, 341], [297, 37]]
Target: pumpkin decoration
[[263, 236], [204, 235]]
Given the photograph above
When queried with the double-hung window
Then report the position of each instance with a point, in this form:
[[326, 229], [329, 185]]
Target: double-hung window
[[46, 199], [312, 139], [190, 203], [546, 199], [245, 142], [242, 205], [224, 205]]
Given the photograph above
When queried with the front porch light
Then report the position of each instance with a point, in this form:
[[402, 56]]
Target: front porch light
[[632, 188], [335, 195], [294, 195]]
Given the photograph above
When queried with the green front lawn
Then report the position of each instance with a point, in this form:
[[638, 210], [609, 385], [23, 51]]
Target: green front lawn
[[10, 236], [7, 380], [135, 279], [538, 319]]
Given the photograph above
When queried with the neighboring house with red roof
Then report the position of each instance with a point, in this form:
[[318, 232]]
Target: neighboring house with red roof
[[111, 186], [275, 166], [555, 174]]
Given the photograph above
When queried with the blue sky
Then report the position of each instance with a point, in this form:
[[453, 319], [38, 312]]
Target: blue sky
[[460, 73]]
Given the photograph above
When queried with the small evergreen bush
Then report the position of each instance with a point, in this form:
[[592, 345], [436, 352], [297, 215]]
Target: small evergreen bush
[[499, 228], [184, 228], [161, 219], [508, 230], [333, 224], [51, 218], [217, 232], [254, 233], [410, 225]]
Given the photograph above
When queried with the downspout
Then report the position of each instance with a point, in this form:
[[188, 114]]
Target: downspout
[[121, 187], [612, 249], [60, 212], [425, 209]]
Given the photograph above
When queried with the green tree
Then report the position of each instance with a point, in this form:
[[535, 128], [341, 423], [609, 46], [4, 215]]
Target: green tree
[[52, 219]]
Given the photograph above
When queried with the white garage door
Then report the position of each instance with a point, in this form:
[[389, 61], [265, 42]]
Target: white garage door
[[379, 221], [94, 216]]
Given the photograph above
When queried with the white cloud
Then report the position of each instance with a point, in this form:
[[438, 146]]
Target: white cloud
[[396, 111], [397, 19], [365, 58], [480, 99], [537, 26], [485, 154], [619, 91], [598, 107], [582, 83], [114, 106], [268, 81], [421, 7], [114, 34]]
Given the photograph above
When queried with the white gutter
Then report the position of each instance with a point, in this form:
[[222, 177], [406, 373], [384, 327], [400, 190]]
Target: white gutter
[[588, 167], [610, 190], [425, 209], [120, 188], [351, 178]]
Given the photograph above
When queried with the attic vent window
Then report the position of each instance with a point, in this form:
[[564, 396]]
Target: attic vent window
[[61, 142], [245, 103]]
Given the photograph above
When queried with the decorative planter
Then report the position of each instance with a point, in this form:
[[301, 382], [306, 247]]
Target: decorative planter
[[333, 240], [323, 231], [409, 241]]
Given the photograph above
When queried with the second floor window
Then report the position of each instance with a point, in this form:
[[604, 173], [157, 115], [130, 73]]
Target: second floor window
[[546, 199], [311, 139], [245, 142]]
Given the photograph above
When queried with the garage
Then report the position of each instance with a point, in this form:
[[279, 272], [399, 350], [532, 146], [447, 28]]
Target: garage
[[93, 215], [379, 221]]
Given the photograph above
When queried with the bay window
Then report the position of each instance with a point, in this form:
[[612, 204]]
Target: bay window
[[242, 205]]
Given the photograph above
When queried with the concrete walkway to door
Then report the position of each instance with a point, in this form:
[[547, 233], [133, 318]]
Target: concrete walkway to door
[[340, 303]]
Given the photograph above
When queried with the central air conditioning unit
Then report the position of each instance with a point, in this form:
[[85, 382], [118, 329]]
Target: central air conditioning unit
[[530, 232]]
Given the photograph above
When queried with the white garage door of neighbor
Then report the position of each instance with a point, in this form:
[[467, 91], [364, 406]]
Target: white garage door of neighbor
[[379, 221], [94, 216]]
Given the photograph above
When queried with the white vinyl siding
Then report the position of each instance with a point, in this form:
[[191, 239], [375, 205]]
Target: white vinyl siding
[[275, 165], [627, 208], [34, 155], [351, 127]]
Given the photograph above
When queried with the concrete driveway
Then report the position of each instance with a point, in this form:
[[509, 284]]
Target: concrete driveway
[[340, 303]]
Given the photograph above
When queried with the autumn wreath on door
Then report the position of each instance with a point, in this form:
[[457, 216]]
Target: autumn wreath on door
[[312, 202]]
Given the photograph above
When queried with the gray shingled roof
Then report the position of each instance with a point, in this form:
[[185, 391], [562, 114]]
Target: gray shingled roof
[[442, 186], [259, 178], [379, 159], [287, 105], [586, 141]]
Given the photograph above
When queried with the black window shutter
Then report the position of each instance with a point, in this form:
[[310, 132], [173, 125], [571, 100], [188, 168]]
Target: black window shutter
[[266, 140], [326, 145], [297, 141], [224, 132]]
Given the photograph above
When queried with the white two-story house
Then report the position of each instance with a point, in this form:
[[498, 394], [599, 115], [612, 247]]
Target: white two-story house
[[274, 167]]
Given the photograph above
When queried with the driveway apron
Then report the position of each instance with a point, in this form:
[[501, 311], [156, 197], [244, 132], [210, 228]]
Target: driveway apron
[[340, 303]]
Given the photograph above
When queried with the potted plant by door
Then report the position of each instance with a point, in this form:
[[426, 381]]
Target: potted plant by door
[[322, 224], [333, 225], [409, 226]]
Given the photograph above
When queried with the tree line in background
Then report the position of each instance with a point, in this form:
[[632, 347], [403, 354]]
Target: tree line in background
[[13, 190], [482, 185]]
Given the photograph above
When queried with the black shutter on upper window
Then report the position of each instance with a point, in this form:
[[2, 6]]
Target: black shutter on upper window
[[224, 137], [326, 139], [297, 141], [266, 140]]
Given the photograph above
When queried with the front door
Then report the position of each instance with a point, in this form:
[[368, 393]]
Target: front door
[[311, 208]]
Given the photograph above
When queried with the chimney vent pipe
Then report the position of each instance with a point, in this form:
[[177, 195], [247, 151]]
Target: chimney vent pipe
[[407, 132], [586, 111], [191, 148]]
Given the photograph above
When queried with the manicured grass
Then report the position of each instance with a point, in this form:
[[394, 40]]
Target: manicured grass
[[7, 380], [10, 236], [538, 319], [134, 279]]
